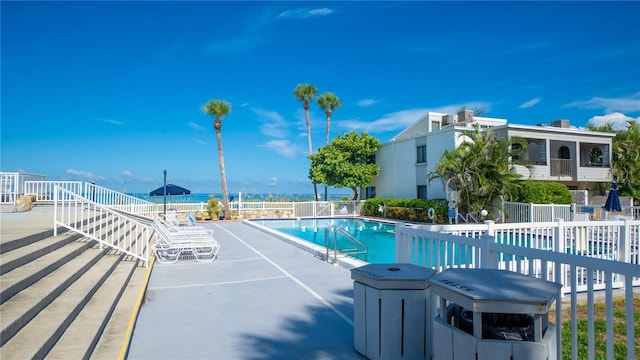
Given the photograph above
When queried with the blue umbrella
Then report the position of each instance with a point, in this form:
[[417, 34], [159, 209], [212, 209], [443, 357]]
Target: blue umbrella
[[613, 200], [171, 190]]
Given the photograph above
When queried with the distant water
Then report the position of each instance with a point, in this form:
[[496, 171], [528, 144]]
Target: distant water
[[202, 197]]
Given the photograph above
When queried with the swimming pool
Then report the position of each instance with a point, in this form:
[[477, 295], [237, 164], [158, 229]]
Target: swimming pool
[[378, 236]]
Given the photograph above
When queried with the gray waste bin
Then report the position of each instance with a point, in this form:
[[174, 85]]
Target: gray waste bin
[[488, 314], [392, 311]]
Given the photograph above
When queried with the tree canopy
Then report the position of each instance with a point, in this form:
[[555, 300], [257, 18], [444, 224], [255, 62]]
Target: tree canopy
[[480, 170], [626, 157], [346, 162]]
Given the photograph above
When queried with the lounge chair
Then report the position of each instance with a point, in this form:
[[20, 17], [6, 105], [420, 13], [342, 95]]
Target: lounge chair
[[173, 243]]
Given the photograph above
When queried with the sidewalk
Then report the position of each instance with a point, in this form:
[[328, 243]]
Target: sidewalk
[[261, 299]]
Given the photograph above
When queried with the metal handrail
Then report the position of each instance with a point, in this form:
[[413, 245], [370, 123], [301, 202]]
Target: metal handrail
[[348, 236]]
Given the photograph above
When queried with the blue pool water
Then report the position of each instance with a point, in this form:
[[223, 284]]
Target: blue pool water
[[378, 236]]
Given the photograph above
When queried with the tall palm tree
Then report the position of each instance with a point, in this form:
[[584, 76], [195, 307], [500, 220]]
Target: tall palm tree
[[328, 102], [305, 93], [219, 109]]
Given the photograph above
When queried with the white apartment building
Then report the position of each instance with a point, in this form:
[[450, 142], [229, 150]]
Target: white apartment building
[[575, 157]]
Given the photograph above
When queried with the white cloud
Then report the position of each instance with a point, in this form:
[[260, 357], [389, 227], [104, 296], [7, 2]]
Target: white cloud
[[610, 105], [199, 141], [85, 175], [273, 124], [196, 126], [273, 181], [129, 175], [305, 13], [530, 103], [111, 121], [399, 120], [282, 147], [393, 121], [366, 102], [616, 119]]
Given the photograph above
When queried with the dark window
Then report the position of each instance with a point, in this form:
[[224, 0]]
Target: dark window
[[563, 153], [595, 157], [422, 192], [371, 159], [421, 152], [371, 192]]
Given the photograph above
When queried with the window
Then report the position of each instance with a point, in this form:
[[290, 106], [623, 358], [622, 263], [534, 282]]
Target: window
[[371, 192], [422, 192], [435, 125], [516, 150], [595, 156], [563, 153], [421, 152], [371, 159]]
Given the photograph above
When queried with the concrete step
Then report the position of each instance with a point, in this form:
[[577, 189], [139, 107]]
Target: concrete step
[[31, 251], [16, 312], [38, 336], [79, 340], [63, 297]]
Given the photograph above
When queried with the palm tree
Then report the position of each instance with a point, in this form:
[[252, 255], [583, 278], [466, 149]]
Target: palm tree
[[219, 109], [305, 93], [328, 102], [480, 169]]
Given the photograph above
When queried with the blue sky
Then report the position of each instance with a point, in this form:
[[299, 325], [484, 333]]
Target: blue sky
[[112, 92]]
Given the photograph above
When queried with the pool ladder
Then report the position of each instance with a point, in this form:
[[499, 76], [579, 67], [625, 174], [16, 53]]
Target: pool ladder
[[359, 246]]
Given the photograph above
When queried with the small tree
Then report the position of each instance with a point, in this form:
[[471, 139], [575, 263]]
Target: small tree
[[345, 162]]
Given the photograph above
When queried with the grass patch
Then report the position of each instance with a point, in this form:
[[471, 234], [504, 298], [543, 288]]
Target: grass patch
[[619, 329]]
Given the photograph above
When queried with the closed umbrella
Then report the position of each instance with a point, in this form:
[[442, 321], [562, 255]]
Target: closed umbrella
[[613, 200]]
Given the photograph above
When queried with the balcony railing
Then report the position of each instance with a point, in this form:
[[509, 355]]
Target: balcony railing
[[561, 167]]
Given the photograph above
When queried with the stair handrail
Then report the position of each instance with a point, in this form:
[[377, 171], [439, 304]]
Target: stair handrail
[[120, 201], [98, 222], [357, 242]]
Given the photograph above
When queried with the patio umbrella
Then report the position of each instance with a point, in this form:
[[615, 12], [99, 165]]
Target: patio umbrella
[[171, 190], [613, 201]]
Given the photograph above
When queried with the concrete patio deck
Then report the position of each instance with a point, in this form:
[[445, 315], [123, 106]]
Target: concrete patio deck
[[261, 299]]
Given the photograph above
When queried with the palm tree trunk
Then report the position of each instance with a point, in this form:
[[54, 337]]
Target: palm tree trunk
[[326, 142], [223, 176], [306, 115]]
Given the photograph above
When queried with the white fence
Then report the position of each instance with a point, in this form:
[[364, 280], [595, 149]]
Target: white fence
[[44, 190], [12, 185], [108, 227], [582, 256], [526, 212], [121, 202]]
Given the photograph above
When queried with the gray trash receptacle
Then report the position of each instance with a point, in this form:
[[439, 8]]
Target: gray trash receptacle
[[489, 314], [392, 311]]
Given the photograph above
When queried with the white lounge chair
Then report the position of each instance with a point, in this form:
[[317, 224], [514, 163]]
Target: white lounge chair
[[173, 243]]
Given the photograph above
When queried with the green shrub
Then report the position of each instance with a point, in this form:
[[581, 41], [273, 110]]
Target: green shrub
[[539, 192], [213, 205], [406, 209]]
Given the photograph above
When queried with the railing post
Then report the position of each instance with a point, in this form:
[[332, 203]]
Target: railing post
[[55, 210], [489, 258], [531, 212], [490, 227], [624, 255]]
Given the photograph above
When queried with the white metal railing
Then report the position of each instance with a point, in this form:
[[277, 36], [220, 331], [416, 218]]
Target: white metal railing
[[43, 190], [120, 201], [434, 249], [98, 222], [12, 184], [561, 167], [528, 212]]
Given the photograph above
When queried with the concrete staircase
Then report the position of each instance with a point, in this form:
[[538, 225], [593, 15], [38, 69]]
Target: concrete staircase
[[62, 297]]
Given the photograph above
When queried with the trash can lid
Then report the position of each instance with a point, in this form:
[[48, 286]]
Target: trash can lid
[[490, 290], [393, 276]]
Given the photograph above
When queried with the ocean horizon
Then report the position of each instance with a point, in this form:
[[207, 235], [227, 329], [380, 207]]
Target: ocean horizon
[[204, 197]]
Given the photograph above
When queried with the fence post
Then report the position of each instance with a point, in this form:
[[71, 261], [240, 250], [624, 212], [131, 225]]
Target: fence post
[[624, 255], [560, 245], [489, 259], [55, 210], [490, 227], [530, 212]]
